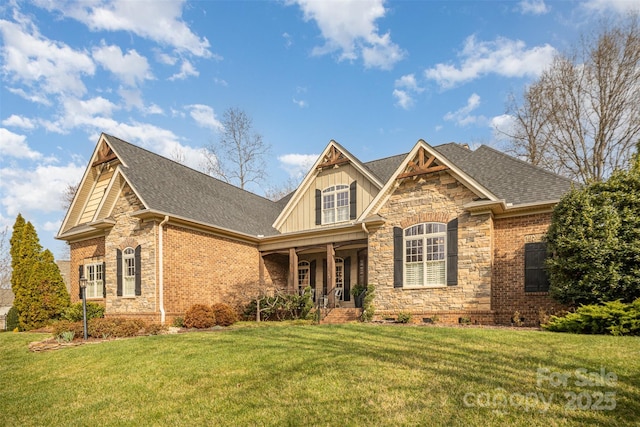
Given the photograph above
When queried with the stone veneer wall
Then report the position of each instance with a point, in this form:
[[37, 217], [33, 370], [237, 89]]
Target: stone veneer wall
[[203, 268], [438, 197], [84, 252], [508, 275], [131, 232]]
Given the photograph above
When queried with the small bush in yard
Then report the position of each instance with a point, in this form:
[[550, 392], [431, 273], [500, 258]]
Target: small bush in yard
[[614, 317], [178, 322], [224, 314], [115, 327], [12, 320], [64, 326], [199, 316], [155, 329], [404, 317], [73, 313]]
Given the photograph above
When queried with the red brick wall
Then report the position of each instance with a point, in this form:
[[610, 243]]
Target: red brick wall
[[91, 249], [202, 268], [507, 294]]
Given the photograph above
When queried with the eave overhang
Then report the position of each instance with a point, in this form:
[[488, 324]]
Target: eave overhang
[[502, 209]]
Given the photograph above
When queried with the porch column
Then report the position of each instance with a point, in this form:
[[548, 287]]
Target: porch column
[[261, 270], [292, 282], [331, 272]]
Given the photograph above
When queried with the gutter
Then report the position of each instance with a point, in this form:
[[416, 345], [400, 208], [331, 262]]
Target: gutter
[[161, 270]]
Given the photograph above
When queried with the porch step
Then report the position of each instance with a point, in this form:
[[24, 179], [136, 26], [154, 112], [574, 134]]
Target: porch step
[[342, 315]]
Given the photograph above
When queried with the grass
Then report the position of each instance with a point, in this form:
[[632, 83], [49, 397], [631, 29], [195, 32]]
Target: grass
[[343, 375]]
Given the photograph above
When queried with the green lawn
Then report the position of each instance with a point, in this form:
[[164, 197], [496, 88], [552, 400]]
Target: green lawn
[[343, 375]]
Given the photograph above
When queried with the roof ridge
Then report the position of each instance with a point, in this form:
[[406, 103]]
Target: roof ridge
[[189, 168], [526, 164]]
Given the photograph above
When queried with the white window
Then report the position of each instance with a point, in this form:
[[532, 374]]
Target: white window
[[129, 273], [304, 275], [95, 280], [335, 204], [425, 254]]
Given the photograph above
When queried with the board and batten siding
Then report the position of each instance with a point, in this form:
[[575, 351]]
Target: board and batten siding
[[303, 215], [96, 195]]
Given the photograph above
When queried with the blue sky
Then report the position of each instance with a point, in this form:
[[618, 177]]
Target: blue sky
[[376, 76]]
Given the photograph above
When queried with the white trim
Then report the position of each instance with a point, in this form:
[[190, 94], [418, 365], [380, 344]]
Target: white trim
[[386, 192], [311, 175]]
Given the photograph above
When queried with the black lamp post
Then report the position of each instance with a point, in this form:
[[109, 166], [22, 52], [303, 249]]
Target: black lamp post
[[83, 286]]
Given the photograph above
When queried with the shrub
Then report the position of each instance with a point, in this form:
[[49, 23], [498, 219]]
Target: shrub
[[178, 322], [199, 316], [63, 327], [404, 317], [12, 321], [224, 314], [282, 306], [66, 336], [155, 329], [73, 313], [614, 317], [368, 309], [115, 327]]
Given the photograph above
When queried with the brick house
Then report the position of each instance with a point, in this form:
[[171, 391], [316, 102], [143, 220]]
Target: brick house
[[441, 231]]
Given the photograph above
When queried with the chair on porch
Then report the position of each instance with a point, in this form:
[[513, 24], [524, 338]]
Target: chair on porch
[[338, 297]]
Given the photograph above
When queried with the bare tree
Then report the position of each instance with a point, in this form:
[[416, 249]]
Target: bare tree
[[582, 116], [239, 155], [277, 192], [68, 194], [5, 259], [178, 156]]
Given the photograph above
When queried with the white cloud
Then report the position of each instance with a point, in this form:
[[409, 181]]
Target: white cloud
[[287, 40], [503, 124], [504, 57], [14, 145], [349, 28], [186, 69], [463, 116], [53, 226], [403, 99], [204, 116], [533, 7], [43, 65], [406, 87], [160, 21], [19, 122], [132, 68], [297, 165], [40, 189], [619, 6], [300, 103], [220, 82]]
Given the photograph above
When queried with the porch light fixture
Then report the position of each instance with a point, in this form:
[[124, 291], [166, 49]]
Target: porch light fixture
[[83, 286]]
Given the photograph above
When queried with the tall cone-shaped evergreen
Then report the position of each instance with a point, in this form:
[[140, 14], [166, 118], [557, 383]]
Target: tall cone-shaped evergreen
[[40, 293]]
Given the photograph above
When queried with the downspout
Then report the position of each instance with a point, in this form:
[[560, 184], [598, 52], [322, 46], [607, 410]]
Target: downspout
[[161, 270], [364, 227]]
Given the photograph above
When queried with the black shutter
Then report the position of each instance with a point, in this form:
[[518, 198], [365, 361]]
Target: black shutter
[[312, 274], [104, 280], [318, 207], [398, 258], [80, 276], [324, 277], [353, 212], [452, 252], [118, 272], [535, 273], [347, 279], [138, 269]]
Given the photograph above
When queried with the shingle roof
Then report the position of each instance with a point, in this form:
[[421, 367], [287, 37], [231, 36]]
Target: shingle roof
[[508, 178], [170, 187]]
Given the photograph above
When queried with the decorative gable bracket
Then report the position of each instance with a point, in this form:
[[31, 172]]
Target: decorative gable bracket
[[333, 158], [105, 154], [421, 165]]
